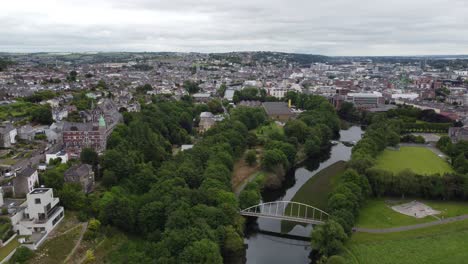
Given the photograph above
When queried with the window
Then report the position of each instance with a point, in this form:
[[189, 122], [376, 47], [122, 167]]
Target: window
[[37, 201]]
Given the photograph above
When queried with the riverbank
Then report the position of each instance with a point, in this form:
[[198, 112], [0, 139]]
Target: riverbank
[[264, 248], [315, 191]]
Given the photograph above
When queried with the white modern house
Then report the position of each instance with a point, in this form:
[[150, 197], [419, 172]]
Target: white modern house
[[61, 154], [37, 216]]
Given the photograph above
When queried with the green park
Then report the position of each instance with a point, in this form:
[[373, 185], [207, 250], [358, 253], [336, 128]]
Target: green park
[[420, 160]]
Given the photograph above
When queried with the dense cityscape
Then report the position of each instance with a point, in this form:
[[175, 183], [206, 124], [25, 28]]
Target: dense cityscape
[[184, 157]]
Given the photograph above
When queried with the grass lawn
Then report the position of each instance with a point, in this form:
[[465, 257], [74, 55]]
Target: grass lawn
[[445, 243], [418, 159], [376, 213], [266, 130], [315, 191], [56, 250], [6, 250]]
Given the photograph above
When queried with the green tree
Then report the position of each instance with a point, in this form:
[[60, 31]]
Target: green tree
[[191, 87], [297, 129], [53, 179], [89, 156], [249, 198], [42, 115], [152, 217], [22, 255], [251, 157], [348, 112], [222, 89], [273, 158], [72, 196], [72, 76], [328, 239], [215, 106], [201, 252], [312, 146], [233, 243], [393, 139]]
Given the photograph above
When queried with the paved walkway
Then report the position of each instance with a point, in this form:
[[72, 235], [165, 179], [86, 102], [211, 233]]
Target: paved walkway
[[411, 227]]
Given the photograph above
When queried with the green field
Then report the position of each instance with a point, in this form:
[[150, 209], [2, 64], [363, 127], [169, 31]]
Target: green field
[[316, 190], [442, 244], [376, 213], [418, 159]]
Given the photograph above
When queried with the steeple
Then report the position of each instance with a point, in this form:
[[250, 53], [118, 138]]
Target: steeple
[[102, 122]]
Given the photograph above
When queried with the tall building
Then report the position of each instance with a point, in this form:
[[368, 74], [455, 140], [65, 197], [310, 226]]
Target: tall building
[[93, 134]]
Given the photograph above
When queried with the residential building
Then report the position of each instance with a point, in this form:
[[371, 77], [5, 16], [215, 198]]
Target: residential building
[[61, 154], [457, 134], [82, 174], [25, 181], [37, 216], [7, 135], [207, 120]]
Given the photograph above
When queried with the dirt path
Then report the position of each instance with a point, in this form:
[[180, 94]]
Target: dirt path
[[83, 230], [243, 174], [411, 227]]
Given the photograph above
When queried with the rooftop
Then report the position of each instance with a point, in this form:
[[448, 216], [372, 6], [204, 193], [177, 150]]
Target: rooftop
[[39, 190], [277, 108]]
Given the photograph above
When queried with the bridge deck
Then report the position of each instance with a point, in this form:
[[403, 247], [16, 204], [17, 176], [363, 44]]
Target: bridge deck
[[282, 217]]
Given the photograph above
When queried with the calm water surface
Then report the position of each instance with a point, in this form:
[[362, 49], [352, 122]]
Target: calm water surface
[[272, 249]]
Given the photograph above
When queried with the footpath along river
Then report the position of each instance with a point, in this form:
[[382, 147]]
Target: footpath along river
[[265, 243]]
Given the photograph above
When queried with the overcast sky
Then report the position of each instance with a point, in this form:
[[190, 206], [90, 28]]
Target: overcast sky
[[329, 27]]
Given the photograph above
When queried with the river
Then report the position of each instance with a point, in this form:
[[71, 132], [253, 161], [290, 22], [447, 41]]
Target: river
[[271, 248]]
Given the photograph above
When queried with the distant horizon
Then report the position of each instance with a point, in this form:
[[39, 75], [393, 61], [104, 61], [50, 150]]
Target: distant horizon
[[225, 52]]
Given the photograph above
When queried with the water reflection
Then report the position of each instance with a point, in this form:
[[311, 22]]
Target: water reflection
[[262, 247]]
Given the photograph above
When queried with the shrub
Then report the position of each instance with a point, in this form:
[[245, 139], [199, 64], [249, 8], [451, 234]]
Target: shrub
[[22, 255], [251, 157]]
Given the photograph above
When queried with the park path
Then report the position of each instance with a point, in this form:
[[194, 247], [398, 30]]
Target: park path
[[83, 230], [411, 227]]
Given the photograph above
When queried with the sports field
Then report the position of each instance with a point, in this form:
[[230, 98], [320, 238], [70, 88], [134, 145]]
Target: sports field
[[418, 159], [444, 244]]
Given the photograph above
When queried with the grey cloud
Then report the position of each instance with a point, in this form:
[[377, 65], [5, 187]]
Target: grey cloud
[[334, 27]]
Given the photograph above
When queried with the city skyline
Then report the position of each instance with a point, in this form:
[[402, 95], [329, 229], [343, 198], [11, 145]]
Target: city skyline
[[333, 28]]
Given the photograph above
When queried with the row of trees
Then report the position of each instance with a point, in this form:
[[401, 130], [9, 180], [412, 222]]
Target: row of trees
[[458, 152], [426, 127], [181, 206], [351, 192], [343, 206], [407, 183]]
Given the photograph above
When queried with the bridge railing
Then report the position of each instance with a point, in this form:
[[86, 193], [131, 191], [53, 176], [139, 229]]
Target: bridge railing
[[287, 209]]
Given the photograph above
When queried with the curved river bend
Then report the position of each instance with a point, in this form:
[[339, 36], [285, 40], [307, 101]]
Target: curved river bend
[[272, 249]]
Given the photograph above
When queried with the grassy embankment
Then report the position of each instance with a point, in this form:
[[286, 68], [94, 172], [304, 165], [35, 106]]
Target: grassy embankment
[[315, 191]]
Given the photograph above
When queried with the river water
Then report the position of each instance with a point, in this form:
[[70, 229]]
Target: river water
[[270, 248]]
